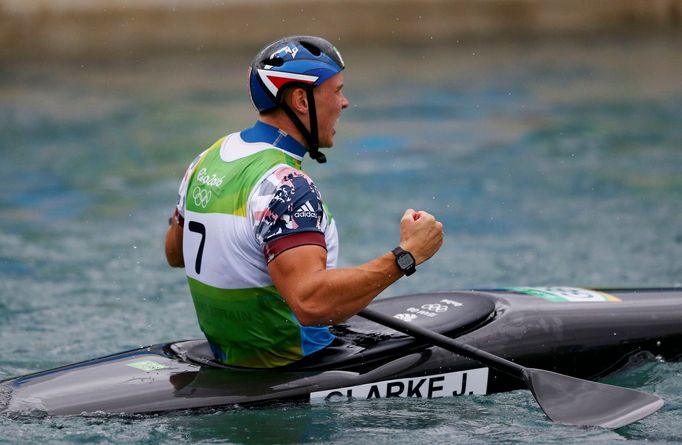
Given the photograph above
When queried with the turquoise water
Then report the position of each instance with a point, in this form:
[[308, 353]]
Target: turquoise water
[[550, 162]]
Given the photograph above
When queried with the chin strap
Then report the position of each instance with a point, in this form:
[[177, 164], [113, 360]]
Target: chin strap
[[311, 137]]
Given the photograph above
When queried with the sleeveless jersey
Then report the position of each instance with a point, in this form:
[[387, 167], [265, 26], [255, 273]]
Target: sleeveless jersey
[[245, 200]]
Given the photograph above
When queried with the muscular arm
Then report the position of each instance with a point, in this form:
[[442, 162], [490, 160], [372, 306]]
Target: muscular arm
[[320, 296], [174, 245]]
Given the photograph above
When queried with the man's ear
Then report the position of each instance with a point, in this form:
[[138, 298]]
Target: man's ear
[[298, 100]]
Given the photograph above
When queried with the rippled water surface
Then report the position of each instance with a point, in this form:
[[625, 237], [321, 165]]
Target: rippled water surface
[[550, 162]]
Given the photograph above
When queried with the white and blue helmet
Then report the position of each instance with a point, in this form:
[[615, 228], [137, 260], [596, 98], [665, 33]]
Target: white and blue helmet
[[297, 61]]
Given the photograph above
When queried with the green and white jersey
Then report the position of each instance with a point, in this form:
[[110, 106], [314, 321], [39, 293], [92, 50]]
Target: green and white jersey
[[244, 201]]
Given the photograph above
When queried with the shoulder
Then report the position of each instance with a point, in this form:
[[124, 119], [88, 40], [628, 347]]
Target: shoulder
[[294, 187], [285, 177], [189, 171], [193, 165], [286, 202]]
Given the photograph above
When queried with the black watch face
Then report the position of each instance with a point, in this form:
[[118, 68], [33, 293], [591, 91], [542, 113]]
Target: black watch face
[[405, 261]]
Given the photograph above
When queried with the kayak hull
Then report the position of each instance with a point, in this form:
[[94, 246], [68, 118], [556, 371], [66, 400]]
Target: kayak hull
[[581, 333]]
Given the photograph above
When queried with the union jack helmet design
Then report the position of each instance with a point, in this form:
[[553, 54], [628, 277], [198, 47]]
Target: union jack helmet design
[[298, 60]]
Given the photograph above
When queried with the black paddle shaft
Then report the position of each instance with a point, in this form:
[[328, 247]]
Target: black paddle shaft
[[444, 342]]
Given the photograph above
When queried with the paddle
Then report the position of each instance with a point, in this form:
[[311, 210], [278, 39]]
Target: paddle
[[564, 399]]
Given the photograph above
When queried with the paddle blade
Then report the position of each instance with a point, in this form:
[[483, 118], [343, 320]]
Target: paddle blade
[[580, 402]]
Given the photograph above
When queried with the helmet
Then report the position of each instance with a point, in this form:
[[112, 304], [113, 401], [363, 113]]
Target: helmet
[[298, 61]]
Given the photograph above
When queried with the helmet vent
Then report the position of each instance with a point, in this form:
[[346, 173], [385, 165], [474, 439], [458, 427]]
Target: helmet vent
[[273, 61], [314, 50]]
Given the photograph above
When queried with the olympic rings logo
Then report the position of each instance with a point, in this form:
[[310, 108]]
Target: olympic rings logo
[[201, 197], [435, 307]]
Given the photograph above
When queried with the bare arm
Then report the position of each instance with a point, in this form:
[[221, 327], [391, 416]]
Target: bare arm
[[174, 244], [319, 296]]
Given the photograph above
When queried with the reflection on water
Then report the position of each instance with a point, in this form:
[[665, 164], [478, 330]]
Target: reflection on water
[[549, 162]]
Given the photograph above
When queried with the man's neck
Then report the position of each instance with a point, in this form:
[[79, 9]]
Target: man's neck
[[280, 120]]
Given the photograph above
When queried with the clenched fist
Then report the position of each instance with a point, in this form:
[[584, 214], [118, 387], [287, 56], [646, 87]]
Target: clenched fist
[[420, 234]]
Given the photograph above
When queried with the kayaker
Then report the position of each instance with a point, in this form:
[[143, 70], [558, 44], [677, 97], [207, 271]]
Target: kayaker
[[258, 244]]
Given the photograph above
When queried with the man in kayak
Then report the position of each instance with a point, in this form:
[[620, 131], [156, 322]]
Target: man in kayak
[[257, 242]]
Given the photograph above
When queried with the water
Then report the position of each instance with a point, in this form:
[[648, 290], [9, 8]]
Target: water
[[550, 162]]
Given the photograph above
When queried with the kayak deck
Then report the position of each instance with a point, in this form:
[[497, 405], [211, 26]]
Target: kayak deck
[[362, 341]]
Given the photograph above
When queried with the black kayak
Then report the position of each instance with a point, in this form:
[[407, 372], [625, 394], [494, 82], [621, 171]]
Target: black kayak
[[578, 332]]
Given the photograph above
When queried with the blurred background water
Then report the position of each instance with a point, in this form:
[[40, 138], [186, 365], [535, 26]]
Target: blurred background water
[[550, 162]]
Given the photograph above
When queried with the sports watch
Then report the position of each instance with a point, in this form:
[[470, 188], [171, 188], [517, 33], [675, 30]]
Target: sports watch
[[405, 261]]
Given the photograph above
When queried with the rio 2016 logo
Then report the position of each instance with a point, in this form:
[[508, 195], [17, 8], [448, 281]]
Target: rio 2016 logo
[[211, 180], [405, 317]]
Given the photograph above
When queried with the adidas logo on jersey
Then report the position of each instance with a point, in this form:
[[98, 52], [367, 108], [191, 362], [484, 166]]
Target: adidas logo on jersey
[[305, 211]]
